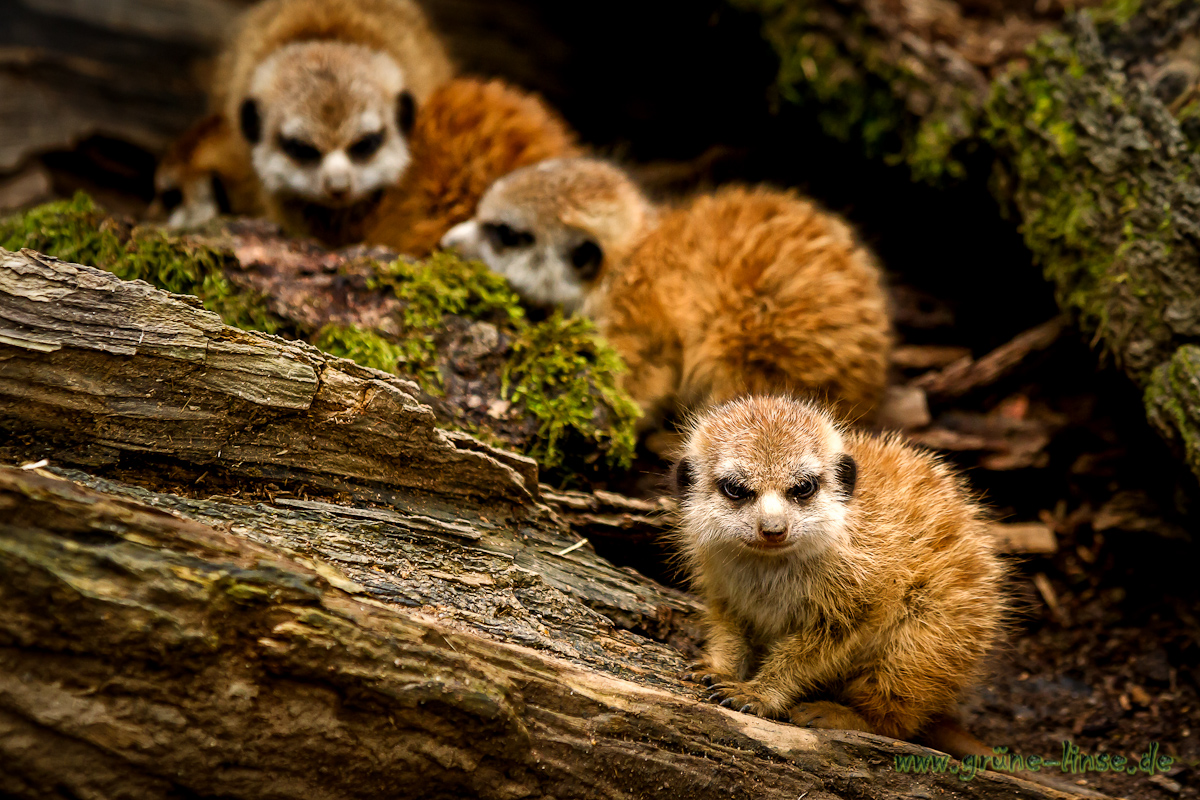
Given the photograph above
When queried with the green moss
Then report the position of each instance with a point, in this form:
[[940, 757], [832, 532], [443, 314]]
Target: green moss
[[563, 372], [1087, 222], [443, 284], [845, 73], [1172, 400], [560, 371], [76, 230], [361, 346]]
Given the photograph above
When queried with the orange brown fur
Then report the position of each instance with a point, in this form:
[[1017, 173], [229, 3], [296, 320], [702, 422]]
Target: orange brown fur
[[750, 291], [878, 617], [468, 134]]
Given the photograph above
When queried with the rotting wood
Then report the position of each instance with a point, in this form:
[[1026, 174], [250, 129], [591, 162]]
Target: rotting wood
[[147, 655]]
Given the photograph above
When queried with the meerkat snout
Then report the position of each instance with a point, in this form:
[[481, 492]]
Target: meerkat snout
[[772, 519]]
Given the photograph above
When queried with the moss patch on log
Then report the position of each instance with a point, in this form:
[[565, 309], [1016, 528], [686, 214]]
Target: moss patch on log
[[562, 370], [1173, 403], [77, 230], [549, 389], [463, 330], [1105, 184]]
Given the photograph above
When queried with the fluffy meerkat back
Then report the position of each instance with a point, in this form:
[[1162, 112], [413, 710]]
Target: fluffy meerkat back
[[467, 135]]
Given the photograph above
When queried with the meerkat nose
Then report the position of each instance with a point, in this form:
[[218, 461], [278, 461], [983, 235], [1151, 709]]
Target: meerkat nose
[[463, 237], [335, 173], [772, 520]]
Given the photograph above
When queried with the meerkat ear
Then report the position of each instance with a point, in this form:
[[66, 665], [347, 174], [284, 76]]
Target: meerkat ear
[[250, 120], [406, 112], [683, 475], [846, 472]]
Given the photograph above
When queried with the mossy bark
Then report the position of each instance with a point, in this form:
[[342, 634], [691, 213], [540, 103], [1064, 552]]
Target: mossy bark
[[550, 388], [1085, 124]]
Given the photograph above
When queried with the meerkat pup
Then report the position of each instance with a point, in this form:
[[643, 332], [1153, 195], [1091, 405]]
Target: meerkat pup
[[744, 290], [323, 95], [851, 580]]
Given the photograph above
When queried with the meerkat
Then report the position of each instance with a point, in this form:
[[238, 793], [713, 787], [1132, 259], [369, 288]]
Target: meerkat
[[468, 134], [851, 580], [203, 175], [324, 95], [745, 290]]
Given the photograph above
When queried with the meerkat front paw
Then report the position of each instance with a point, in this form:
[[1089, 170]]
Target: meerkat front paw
[[828, 716], [746, 698], [703, 672]]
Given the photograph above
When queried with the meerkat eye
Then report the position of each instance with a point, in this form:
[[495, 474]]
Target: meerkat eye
[[367, 146], [735, 491], [504, 237], [171, 199], [586, 258], [299, 151], [250, 121], [220, 196], [406, 112], [804, 489]]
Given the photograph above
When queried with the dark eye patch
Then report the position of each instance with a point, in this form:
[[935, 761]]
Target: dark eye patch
[[803, 489], [250, 121], [299, 151], [406, 112], [586, 258], [171, 199], [735, 490], [504, 237], [367, 146]]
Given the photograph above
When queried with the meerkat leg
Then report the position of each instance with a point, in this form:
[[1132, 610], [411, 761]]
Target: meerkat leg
[[792, 668], [726, 654]]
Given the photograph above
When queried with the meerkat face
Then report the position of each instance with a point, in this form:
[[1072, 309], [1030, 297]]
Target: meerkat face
[[327, 122], [765, 477], [554, 227]]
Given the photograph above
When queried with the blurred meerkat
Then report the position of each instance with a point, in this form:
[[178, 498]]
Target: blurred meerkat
[[203, 175], [742, 291], [468, 134], [851, 580], [324, 95]]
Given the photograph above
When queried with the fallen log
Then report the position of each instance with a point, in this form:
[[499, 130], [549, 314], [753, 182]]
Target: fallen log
[[144, 654]]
